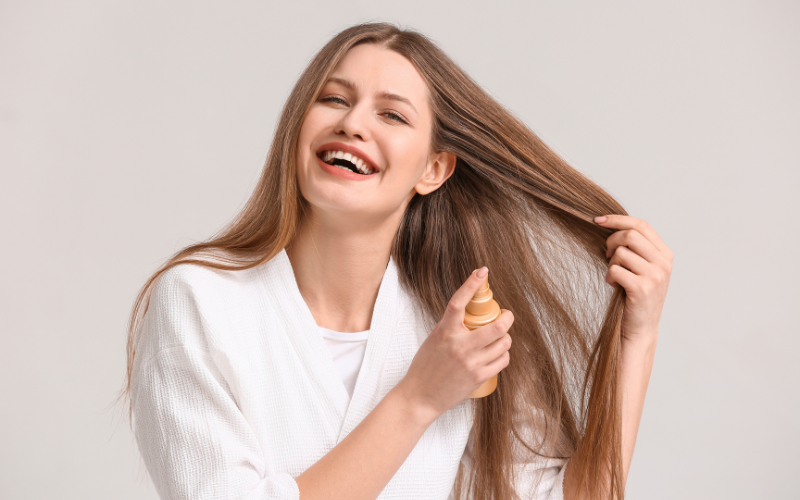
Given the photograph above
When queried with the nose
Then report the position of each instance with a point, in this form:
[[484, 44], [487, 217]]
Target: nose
[[354, 123]]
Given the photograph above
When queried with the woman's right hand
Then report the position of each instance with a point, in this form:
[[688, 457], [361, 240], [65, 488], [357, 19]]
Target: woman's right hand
[[453, 360]]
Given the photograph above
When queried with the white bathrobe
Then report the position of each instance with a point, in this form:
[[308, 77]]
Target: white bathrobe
[[235, 393]]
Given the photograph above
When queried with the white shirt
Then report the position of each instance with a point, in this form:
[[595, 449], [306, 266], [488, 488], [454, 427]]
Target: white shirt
[[347, 352], [235, 393]]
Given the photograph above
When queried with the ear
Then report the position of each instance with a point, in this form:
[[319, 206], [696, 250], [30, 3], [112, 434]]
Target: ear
[[440, 167]]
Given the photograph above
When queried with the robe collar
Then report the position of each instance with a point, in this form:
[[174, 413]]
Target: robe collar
[[303, 331]]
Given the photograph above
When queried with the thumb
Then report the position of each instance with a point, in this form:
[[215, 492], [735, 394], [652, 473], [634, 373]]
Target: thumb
[[454, 313]]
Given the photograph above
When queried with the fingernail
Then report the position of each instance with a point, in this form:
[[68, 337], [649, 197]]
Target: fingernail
[[482, 272], [600, 219]]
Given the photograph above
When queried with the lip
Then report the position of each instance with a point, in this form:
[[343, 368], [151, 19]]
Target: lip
[[340, 146], [344, 174]]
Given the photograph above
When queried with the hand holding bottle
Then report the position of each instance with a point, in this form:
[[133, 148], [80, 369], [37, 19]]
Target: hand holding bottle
[[454, 361]]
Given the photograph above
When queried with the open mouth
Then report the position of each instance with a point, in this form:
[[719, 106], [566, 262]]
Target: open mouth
[[345, 161]]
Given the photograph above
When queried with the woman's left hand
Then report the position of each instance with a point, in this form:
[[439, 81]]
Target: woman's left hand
[[641, 263]]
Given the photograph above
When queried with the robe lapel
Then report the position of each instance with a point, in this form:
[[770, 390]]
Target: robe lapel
[[314, 355], [304, 334], [385, 316]]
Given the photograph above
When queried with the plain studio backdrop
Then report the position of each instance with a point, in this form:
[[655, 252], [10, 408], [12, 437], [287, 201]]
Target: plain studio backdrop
[[131, 129]]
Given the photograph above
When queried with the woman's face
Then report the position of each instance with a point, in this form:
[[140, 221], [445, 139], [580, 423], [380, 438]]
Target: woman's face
[[374, 106]]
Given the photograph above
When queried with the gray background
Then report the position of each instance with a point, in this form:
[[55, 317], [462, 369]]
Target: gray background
[[129, 129]]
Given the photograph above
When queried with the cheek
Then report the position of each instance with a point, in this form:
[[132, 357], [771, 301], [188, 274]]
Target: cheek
[[308, 131], [417, 162], [303, 139], [410, 156], [312, 126]]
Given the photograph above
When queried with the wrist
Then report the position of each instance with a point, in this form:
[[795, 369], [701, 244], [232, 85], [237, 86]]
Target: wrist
[[641, 343], [418, 412]]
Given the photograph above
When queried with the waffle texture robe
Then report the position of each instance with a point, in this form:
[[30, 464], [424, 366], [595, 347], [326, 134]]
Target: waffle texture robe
[[235, 393]]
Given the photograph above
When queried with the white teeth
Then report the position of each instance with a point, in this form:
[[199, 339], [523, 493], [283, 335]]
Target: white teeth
[[359, 164], [328, 156]]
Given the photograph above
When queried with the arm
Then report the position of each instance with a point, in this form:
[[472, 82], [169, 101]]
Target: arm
[[194, 440], [197, 444], [636, 365], [361, 465], [459, 360], [549, 479], [641, 263]]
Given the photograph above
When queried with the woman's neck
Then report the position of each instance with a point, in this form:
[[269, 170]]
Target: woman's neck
[[339, 268]]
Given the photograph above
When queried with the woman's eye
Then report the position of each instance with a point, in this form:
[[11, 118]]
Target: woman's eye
[[338, 100], [332, 98], [395, 117]]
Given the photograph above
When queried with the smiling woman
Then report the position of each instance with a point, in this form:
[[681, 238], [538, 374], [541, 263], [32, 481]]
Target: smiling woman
[[361, 116], [316, 347]]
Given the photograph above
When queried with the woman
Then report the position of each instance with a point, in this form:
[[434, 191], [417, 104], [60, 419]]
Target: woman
[[391, 176]]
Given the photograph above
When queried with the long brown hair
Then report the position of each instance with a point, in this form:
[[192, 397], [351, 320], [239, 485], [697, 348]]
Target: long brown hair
[[511, 204]]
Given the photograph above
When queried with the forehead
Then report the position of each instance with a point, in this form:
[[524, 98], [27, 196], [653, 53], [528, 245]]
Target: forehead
[[376, 70]]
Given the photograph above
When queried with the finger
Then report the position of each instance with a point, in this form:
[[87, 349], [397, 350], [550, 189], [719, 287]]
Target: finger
[[497, 365], [630, 260], [497, 329], [618, 275], [635, 241], [496, 348], [454, 312], [627, 222]]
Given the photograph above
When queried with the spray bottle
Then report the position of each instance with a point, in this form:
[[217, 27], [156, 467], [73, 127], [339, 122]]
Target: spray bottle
[[482, 310]]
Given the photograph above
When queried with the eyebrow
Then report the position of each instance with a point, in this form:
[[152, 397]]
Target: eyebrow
[[383, 95]]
